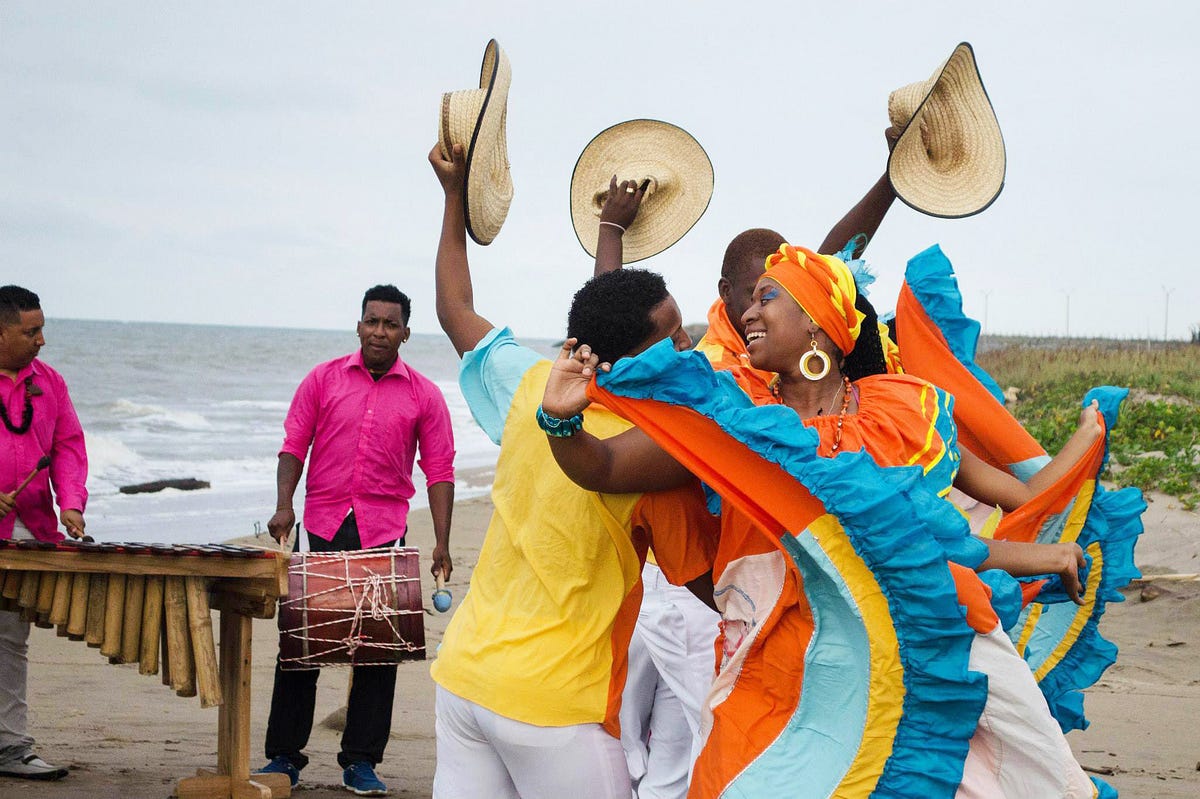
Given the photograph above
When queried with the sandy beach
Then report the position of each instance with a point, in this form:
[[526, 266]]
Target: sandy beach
[[124, 735]]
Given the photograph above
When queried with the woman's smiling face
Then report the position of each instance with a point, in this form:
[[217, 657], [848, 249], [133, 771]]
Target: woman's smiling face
[[776, 328]]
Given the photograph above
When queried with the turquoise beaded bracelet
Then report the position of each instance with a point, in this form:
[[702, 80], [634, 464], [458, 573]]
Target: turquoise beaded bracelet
[[559, 428]]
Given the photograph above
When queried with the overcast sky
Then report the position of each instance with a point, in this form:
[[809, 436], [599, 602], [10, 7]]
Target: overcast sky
[[263, 163]]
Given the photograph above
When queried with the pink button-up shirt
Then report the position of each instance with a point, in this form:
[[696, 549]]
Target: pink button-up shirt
[[364, 436], [55, 432]]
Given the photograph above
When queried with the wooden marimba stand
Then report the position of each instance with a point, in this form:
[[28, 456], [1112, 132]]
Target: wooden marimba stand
[[239, 587]]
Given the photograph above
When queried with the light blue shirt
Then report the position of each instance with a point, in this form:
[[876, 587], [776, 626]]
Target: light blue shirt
[[490, 375]]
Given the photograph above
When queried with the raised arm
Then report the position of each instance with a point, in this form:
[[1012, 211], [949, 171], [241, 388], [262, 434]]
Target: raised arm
[[619, 211], [455, 298], [866, 216], [627, 463], [994, 487]]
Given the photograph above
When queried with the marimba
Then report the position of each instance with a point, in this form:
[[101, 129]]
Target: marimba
[[150, 604]]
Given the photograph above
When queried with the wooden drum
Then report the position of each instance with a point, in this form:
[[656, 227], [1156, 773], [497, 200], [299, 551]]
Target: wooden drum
[[360, 608]]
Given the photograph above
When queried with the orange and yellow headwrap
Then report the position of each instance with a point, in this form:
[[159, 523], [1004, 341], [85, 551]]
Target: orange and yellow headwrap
[[824, 289]]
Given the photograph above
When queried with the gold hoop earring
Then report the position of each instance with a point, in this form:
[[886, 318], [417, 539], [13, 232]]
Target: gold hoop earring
[[826, 363]]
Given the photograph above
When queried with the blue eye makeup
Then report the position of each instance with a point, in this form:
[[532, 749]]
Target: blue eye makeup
[[769, 294]]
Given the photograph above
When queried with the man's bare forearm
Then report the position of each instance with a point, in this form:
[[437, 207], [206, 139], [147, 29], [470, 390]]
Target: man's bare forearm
[[865, 217]]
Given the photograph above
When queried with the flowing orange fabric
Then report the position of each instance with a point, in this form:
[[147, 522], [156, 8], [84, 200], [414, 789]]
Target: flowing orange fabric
[[897, 424], [823, 287], [777, 504], [885, 426], [1024, 523], [754, 518], [901, 421], [725, 349], [984, 426]]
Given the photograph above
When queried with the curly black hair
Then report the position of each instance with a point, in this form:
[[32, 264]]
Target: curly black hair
[[13, 301], [867, 357], [386, 292], [611, 313]]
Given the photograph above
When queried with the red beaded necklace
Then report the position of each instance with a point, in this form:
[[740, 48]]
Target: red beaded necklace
[[841, 419], [837, 436]]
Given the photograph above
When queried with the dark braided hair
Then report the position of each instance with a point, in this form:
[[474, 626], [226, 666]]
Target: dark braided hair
[[867, 357]]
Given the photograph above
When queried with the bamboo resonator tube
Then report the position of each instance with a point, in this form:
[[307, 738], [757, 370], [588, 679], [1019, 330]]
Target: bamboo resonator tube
[[160, 622], [147, 604]]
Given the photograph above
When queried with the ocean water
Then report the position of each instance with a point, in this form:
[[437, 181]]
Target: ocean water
[[162, 401]]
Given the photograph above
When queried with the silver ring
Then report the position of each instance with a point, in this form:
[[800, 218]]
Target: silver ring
[[630, 189]]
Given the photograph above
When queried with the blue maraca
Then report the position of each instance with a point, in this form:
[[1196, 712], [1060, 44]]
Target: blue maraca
[[441, 595]]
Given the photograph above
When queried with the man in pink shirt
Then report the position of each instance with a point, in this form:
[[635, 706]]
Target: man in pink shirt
[[363, 417], [38, 420]]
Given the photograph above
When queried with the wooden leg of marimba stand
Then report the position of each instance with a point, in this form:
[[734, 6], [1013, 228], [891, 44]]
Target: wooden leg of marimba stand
[[233, 717], [233, 779]]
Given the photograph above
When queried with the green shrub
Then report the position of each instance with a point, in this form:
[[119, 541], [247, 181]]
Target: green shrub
[[1156, 444]]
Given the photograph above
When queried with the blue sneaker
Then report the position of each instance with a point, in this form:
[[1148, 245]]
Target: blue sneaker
[[281, 765], [360, 778]]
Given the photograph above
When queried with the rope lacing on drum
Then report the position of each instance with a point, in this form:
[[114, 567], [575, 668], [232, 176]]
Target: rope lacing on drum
[[374, 596], [370, 592]]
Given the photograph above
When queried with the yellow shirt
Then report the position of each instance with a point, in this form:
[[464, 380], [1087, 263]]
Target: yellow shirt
[[542, 635]]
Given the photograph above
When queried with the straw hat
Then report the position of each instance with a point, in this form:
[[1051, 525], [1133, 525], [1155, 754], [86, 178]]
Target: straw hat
[[681, 184], [475, 119], [949, 159]]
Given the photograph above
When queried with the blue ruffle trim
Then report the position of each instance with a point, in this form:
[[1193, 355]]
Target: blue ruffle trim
[[930, 276], [1113, 523], [897, 526], [1006, 595]]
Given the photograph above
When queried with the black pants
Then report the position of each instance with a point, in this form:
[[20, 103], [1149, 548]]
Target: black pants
[[369, 711]]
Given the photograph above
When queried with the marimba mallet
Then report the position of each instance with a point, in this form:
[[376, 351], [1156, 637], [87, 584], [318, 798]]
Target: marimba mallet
[[20, 590], [441, 596], [42, 463]]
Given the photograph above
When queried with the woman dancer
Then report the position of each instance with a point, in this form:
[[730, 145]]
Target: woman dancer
[[803, 325]]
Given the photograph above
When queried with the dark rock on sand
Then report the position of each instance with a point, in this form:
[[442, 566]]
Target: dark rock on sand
[[182, 483]]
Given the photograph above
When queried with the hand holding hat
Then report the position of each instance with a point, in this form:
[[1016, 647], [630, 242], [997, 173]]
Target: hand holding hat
[[665, 173], [475, 119], [621, 206], [949, 158]]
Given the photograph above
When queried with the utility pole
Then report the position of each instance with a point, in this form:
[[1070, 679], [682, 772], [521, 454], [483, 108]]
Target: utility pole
[[986, 294], [1067, 295], [1166, 308]]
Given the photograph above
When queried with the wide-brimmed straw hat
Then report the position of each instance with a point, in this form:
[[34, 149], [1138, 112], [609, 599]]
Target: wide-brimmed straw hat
[[475, 119], [949, 159], [680, 184]]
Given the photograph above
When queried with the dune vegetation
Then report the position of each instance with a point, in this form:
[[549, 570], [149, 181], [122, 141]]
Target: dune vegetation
[[1156, 444]]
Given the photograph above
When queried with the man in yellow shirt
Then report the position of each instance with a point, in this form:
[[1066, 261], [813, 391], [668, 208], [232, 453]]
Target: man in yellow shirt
[[532, 666]]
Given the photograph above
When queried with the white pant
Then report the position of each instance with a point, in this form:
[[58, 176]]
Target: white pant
[[14, 669], [484, 754], [671, 664], [1018, 750]]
